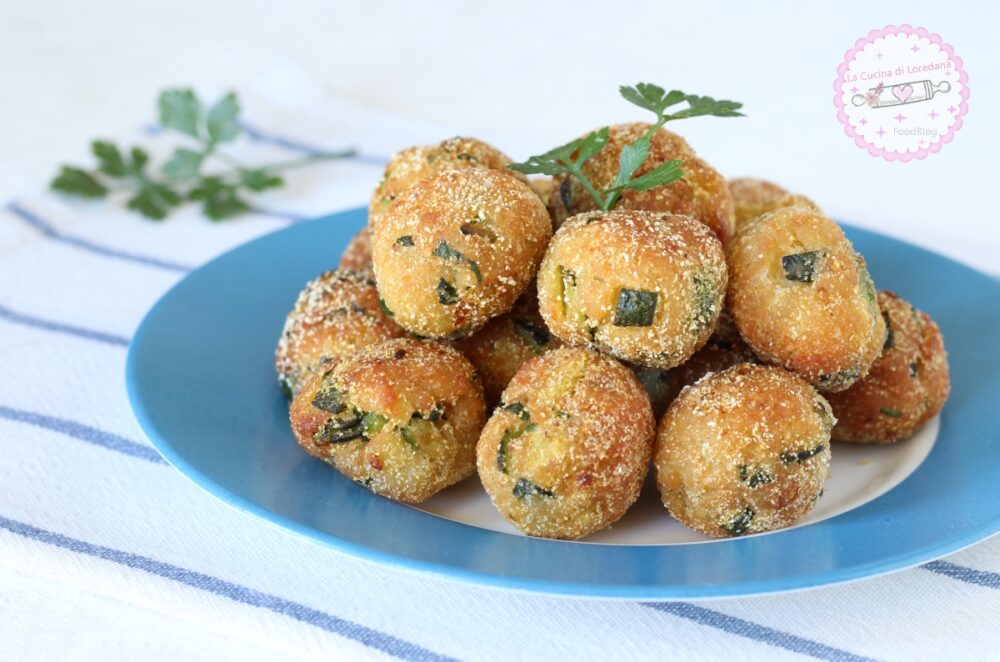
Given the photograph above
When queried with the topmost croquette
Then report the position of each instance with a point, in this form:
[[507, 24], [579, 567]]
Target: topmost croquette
[[408, 167], [702, 193], [458, 249]]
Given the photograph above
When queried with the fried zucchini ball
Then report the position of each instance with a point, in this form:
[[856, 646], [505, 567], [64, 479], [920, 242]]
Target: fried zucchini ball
[[458, 249], [756, 197], [335, 315], [568, 449], [743, 451], [646, 287], [701, 194], [410, 166], [505, 343], [802, 298], [905, 388], [358, 254], [401, 418]]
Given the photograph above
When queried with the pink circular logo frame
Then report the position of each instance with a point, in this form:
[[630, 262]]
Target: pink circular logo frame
[[855, 105]]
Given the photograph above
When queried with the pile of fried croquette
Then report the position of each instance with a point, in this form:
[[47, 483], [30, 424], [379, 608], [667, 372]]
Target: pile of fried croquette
[[724, 333]]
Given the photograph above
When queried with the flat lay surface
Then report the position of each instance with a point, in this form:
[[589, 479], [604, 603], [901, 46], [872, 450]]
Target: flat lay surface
[[108, 551]]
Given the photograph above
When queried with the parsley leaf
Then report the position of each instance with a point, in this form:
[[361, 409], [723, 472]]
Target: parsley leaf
[[109, 158], [662, 175], [221, 119], [182, 176], [180, 110], [651, 97], [568, 159], [184, 164], [260, 179], [154, 200], [78, 182]]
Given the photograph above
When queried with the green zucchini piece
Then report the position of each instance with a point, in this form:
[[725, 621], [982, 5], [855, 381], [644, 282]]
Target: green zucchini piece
[[788, 457], [330, 399], [801, 267], [525, 487], [533, 333], [340, 431], [407, 436], [914, 369], [385, 308], [888, 332], [739, 524], [405, 240], [447, 294], [372, 422], [635, 307], [518, 410], [756, 478], [286, 388], [704, 303], [893, 413]]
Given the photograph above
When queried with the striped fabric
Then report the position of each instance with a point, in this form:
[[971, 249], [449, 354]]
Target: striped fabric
[[89, 504]]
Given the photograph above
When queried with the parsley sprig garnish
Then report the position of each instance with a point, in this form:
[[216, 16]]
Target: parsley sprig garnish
[[184, 176], [568, 159]]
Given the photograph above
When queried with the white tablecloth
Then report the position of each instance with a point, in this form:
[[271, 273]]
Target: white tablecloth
[[107, 552]]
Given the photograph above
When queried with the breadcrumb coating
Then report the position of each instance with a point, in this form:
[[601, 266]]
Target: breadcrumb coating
[[646, 287], [802, 297], [907, 386], [401, 418], [501, 347], [458, 249], [412, 165], [335, 315], [756, 197], [358, 254], [743, 451], [568, 449]]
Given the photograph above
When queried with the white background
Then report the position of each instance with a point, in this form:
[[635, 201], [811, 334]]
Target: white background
[[523, 75], [527, 76]]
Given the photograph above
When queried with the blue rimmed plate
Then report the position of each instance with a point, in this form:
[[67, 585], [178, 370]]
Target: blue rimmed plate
[[202, 385]]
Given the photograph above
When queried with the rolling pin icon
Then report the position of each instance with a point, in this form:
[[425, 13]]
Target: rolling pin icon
[[903, 93]]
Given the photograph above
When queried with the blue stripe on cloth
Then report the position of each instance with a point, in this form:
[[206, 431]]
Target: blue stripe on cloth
[[40, 224], [9, 315], [260, 136], [700, 615], [375, 639], [761, 633], [961, 573], [83, 432]]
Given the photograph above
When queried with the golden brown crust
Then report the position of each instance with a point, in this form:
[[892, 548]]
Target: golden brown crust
[[743, 451], [702, 193], [756, 197], [501, 347], [412, 165], [599, 261], [358, 254], [335, 315], [815, 315], [907, 385], [567, 453], [401, 418], [458, 249]]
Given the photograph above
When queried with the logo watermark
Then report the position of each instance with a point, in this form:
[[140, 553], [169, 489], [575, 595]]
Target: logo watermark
[[901, 93]]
